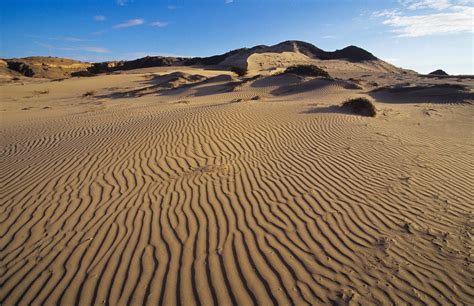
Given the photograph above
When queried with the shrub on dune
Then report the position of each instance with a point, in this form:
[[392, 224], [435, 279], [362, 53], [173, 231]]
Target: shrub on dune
[[307, 70], [239, 71], [89, 93], [360, 106]]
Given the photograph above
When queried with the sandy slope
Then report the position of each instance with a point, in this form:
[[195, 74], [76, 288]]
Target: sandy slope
[[221, 192]]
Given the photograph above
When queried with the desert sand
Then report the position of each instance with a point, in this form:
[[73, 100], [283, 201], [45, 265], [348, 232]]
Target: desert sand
[[192, 186]]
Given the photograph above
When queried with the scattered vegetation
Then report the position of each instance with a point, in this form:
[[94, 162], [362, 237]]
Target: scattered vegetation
[[307, 70], [352, 85], [239, 70], [89, 93], [84, 73], [360, 106]]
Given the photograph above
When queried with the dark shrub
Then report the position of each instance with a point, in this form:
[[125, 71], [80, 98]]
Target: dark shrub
[[307, 70], [89, 93], [84, 73], [360, 106], [238, 70]]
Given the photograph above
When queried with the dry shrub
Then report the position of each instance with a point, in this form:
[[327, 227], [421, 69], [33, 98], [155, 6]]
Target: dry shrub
[[89, 93], [360, 106], [307, 70]]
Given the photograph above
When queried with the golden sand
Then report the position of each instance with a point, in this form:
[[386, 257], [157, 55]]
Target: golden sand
[[202, 191]]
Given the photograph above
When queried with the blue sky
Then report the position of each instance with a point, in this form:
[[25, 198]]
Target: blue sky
[[423, 35]]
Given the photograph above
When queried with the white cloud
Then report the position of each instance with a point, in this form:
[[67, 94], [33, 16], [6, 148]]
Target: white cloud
[[159, 24], [387, 13], [130, 23], [123, 2], [99, 18], [437, 17], [421, 4]]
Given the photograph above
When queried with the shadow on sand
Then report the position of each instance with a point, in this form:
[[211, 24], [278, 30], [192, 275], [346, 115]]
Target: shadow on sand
[[433, 94]]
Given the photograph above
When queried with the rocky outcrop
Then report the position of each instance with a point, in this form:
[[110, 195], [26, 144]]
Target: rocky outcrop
[[46, 67], [144, 62], [21, 68]]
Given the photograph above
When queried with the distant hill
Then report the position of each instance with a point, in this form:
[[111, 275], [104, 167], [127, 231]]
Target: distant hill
[[258, 59], [438, 72], [144, 62], [45, 67], [351, 53]]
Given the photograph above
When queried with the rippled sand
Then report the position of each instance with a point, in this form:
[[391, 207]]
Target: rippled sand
[[221, 192]]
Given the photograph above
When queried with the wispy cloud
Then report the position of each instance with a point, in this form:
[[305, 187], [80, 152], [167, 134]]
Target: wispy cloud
[[418, 18], [421, 4], [94, 49], [129, 23], [76, 48], [99, 32], [228, 1], [66, 38], [73, 39], [159, 24], [99, 18], [123, 2], [46, 46]]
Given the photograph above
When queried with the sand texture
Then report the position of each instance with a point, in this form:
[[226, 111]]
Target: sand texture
[[188, 186]]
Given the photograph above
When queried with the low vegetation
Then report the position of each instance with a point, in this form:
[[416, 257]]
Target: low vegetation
[[360, 106], [89, 93], [239, 71], [307, 70], [83, 73]]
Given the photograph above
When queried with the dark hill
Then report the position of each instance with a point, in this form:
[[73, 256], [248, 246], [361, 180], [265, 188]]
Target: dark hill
[[144, 62], [351, 53], [439, 72]]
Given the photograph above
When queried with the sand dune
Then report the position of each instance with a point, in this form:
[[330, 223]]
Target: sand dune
[[203, 194]]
